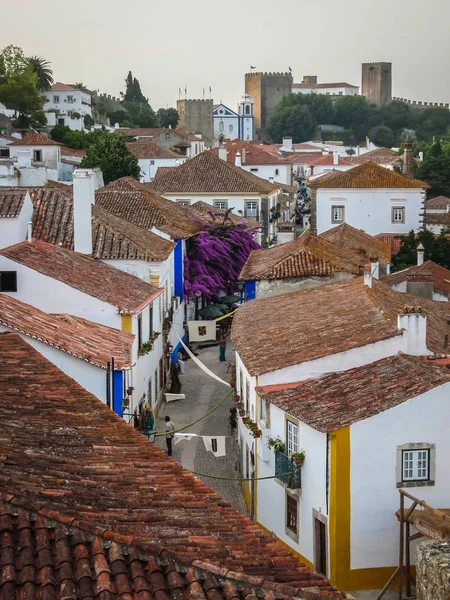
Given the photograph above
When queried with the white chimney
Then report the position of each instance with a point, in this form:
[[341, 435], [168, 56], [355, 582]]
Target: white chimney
[[335, 158], [448, 208], [368, 276], [24, 158], [415, 325], [421, 156], [30, 231], [223, 153], [367, 143], [237, 160], [375, 270], [243, 155], [357, 150], [83, 199], [420, 254], [98, 179], [287, 143]]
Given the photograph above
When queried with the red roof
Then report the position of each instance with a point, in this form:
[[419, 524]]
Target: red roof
[[62, 87], [394, 239], [11, 201], [113, 515], [440, 275], [251, 154], [146, 149], [369, 247], [35, 139], [440, 202], [85, 274], [328, 159], [368, 175], [83, 339], [65, 151], [341, 399]]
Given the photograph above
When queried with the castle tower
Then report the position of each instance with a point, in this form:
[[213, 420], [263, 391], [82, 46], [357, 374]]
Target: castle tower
[[377, 82], [197, 116], [246, 118], [266, 90]]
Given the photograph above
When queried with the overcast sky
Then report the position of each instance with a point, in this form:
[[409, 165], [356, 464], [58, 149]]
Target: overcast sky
[[200, 43]]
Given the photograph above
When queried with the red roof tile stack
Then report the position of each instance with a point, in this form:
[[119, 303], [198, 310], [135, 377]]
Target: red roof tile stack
[[368, 247], [85, 274], [306, 256], [35, 139], [122, 518], [439, 203], [341, 399], [368, 175], [11, 201], [440, 276], [83, 339]]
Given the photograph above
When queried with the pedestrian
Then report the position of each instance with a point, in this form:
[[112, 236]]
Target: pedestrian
[[181, 363], [169, 436], [222, 347]]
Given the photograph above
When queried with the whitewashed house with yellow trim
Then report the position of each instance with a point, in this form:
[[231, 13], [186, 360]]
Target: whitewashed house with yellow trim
[[335, 386]]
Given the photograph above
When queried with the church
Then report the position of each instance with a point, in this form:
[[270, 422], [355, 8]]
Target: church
[[235, 125]]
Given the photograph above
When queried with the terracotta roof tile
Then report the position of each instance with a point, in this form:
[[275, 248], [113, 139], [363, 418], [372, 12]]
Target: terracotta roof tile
[[207, 173], [328, 160], [302, 158], [85, 274], [306, 256], [378, 159], [341, 399], [251, 154], [112, 237], [62, 87], [155, 531], [440, 276], [205, 213], [65, 151], [145, 149], [382, 151], [83, 339], [341, 316], [440, 202], [368, 175], [11, 201], [394, 239], [437, 218], [35, 139], [369, 247], [139, 204], [160, 171]]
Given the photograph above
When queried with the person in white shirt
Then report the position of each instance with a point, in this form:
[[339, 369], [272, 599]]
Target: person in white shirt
[[169, 436]]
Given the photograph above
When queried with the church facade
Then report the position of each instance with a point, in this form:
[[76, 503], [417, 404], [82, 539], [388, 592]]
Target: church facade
[[234, 125]]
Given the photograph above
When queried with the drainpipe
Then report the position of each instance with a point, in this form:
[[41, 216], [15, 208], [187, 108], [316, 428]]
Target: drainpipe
[[108, 384]]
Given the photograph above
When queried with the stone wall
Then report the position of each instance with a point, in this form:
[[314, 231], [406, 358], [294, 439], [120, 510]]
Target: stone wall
[[266, 91], [377, 82], [433, 570], [197, 116]]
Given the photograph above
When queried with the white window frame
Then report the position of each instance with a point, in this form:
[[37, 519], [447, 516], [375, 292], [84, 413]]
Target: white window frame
[[291, 437], [56, 99], [251, 214], [224, 202], [184, 202], [411, 472], [402, 214], [70, 99], [334, 218]]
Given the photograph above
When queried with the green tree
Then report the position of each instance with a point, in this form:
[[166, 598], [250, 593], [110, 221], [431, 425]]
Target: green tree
[[133, 90], [295, 121], [110, 154], [20, 93], [397, 115], [139, 114], [59, 133], [12, 61], [433, 122], [353, 112], [435, 170], [167, 117], [43, 72], [437, 249], [88, 121], [320, 106], [382, 136]]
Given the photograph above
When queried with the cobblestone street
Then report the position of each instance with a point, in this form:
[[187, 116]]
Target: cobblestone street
[[202, 394]]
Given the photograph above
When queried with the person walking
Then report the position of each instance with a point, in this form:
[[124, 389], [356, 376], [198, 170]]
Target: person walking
[[169, 436], [181, 363], [222, 347]]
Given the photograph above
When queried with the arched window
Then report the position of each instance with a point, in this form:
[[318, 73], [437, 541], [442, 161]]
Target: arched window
[[221, 126], [247, 109], [230, 128]]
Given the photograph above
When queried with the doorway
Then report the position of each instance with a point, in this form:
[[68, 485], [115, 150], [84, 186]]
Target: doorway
[[320, 546]]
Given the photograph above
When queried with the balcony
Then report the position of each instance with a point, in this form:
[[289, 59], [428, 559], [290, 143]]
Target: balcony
[[287, 471]]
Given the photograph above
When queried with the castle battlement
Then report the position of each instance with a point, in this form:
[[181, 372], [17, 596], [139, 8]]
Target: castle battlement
[[267, 74], [420, 104], [191, 100]]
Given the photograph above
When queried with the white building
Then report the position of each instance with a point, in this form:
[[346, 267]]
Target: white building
[[235, 125], [16, 211], [437, 214], [426, 279], [180, 141], [310, 85], [337, 389], [42, 153], [65, 105], [368, 197], [151, 157]]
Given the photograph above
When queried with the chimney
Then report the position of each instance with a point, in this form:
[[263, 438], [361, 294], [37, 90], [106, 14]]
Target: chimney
[[420, 254], [24, 158], [357, 150], [421, 156], [30, 231], [83, 199], [420, 283], [408, 161], [287, 143], [223, 153], [335, 158], [367, 143], [243, 154], [237, 159], [414, 323], [368, 276]]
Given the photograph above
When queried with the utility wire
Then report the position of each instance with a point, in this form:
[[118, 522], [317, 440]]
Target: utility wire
[[239, 478]]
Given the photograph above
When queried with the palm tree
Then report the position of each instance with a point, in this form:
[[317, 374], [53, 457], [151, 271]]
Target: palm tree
[[79, 86], [43, 71]]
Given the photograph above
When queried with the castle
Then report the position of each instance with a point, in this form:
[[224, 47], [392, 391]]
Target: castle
[[377, 82], [266, 91]]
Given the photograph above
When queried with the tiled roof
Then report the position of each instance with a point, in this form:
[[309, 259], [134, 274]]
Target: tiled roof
[[160, 171], [368, 175], [145, 149], [65, 151], [328, 160], [141, 205], [367, 246], [139, 131], [340, 317], [346, 397], [205, 213], [303, 147], [207, 173], [112, 237], [378, 159], [382, 151], [62, 87], [440, 202], [11, 201], [83, 339], [6, 136], [85, 274], [306, 256], [111, 506], [441, 276], [251, 154], [318, 86], [302, 158], [436, 218], [188, 135], [394, 239], [35, 139]]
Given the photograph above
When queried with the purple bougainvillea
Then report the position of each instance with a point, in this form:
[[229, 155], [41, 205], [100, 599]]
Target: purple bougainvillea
[[214, 259]]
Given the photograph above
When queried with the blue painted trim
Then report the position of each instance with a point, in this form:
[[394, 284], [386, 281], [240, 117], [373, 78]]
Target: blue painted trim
[[178, 269], [174, 354], [250, 290], [118, 392]]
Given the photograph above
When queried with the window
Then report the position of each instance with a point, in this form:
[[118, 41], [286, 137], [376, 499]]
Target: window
[[4, 152], [221, 126], [184, 202], [251, 210], [337, 214], [8, 281], [254, 170], [398, 214], [56, 99], [292, 513], [416, 464], [230, 128], [247, 109], [61, 121], [139, 322], [37, 155], [152, 162], [222, 204], [150, 316], [277, 171], [70, 99], [292, 437], [340, 93], [262, 410]]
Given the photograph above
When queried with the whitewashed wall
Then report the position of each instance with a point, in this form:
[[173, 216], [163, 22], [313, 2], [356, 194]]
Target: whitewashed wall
[[148, 170], [13, 231], [401, 287], [267, 171], [51, 155]]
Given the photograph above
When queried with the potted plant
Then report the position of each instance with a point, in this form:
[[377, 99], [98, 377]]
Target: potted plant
[[125, 403], [276, 444], [130, 390], [298, 458], [146, 347]]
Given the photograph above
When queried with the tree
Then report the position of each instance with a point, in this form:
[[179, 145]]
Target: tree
[[382, 136], [88, 121], [133, 92], [42, 69], [167, 117], [59, 133], [435, 170], [139, 114], [109, 153], [397, 115], [12, 61], [437, 249], [353, 112], [20, 93], [79, 86], [295, 121]]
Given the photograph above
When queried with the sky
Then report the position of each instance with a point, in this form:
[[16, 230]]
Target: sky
[[170, 44]]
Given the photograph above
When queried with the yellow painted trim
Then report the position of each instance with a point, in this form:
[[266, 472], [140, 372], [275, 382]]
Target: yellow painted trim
[[307, 562], [154, 280], [247, 495], [127, 323], [255, 483]]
